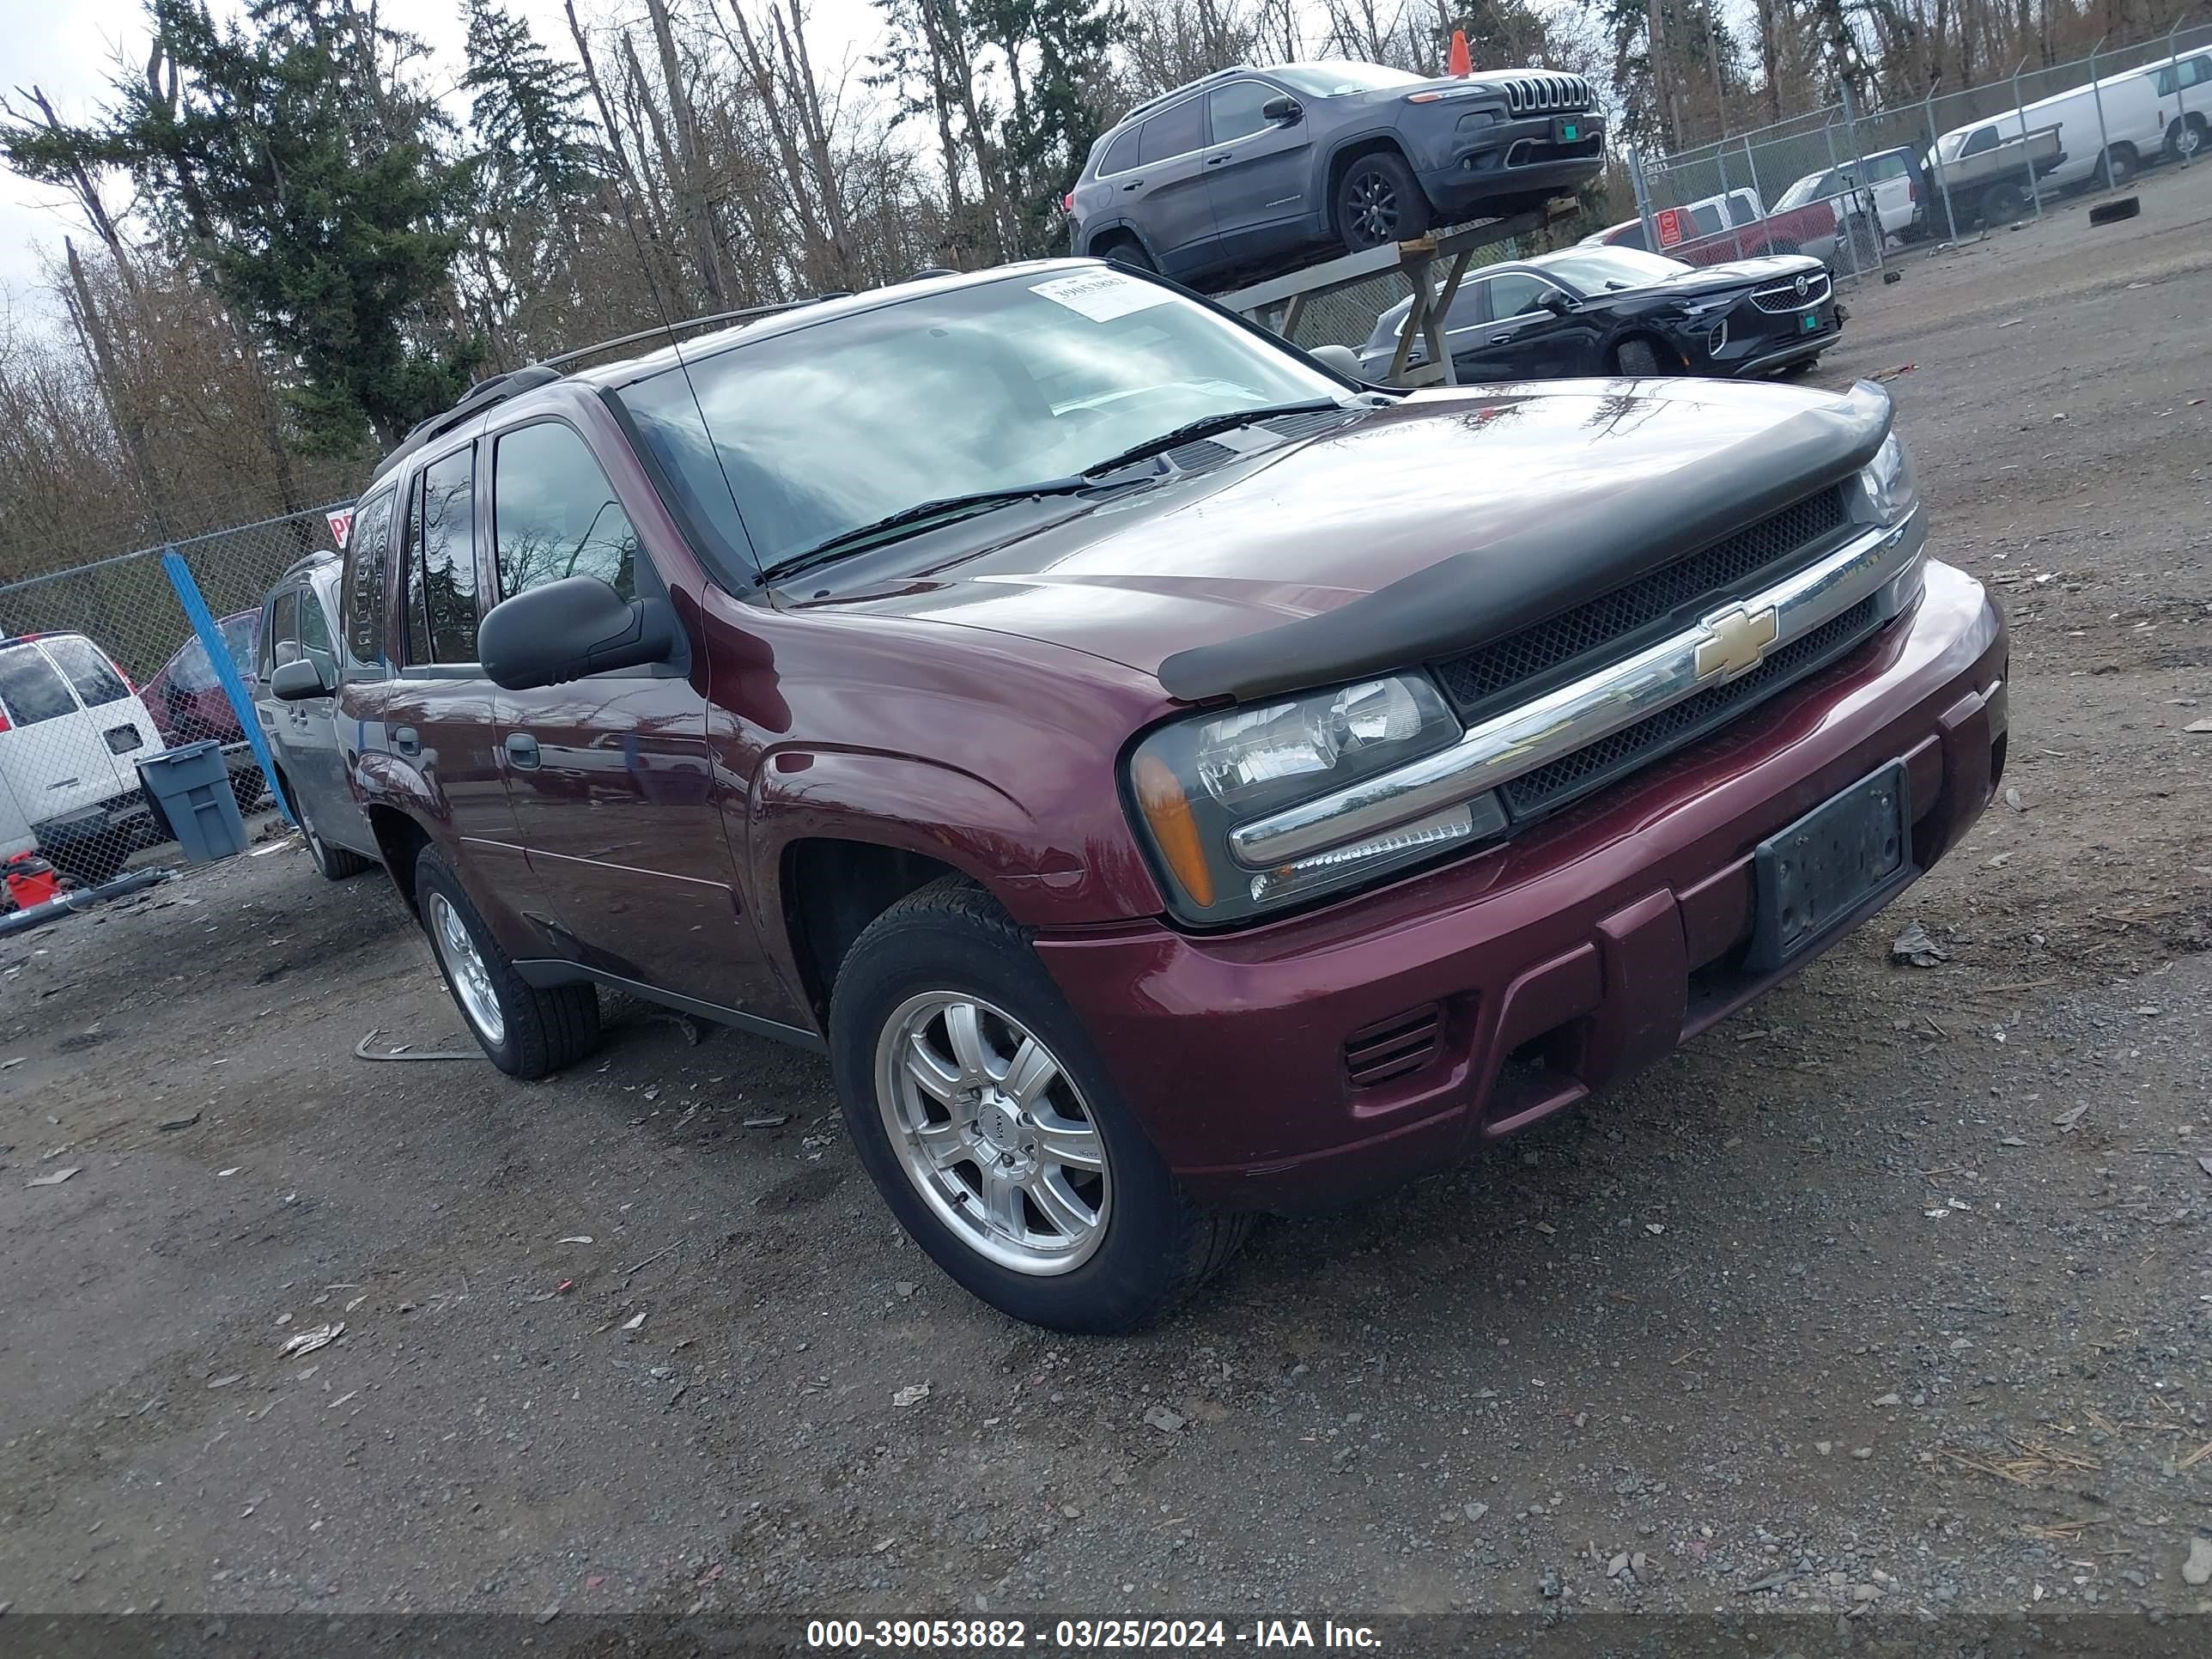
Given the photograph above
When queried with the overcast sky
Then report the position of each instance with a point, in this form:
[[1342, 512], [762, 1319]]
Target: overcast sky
[[67, 47]]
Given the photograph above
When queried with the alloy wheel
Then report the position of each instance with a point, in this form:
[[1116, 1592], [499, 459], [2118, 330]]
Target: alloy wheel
[[1374, 201], [993, 1133], [464, 967]]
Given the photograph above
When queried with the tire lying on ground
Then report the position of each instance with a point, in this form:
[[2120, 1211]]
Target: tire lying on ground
[[2109, 213]]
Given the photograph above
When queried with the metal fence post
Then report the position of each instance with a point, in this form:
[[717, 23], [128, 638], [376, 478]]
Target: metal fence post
[[2184, 140], [2101, 174], [1843, 234], [226, 671], [1859, 161], [1643, 197], [1936, 153], [1720, 165], [2034, 188]]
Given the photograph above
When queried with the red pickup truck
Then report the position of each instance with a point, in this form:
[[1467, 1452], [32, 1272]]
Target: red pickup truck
[[1719, 228]]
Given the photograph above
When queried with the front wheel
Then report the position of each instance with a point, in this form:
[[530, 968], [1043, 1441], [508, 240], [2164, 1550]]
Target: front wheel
[[525, 1031], [1638, 358], [1379, 201], [978, 1107]]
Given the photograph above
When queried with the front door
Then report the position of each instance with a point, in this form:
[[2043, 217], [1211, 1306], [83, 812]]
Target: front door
[[610, 777], [1167, 195], [1255, 170], [1522, 340]]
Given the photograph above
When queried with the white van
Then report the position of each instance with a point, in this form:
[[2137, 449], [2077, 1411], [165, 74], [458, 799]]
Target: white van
[[71, 733], [2144, 119]]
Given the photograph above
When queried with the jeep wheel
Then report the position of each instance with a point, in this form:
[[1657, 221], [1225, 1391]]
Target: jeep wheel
[[1379, 201], [1129, 251], [976, 1104], [525, 1031]]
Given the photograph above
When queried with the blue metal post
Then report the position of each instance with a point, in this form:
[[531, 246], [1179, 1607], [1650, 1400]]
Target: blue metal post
[[226, 671]]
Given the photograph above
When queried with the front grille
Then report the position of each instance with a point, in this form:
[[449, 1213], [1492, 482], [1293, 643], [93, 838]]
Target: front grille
[[1479, 682], [1535, 152], [1392, 1048], [1541, 94], [1588, 768], [1777, 297]]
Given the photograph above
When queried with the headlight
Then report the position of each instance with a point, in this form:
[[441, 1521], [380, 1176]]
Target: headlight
[[1195, 780], [1888, 481]]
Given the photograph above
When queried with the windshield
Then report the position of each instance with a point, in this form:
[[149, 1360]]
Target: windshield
[[781, 444], [1597, 269], [1338, 80], [192, 672], [1950, 143]]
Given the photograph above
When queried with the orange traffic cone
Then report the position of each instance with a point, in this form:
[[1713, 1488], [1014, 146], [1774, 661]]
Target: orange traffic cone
[[1462, 61]]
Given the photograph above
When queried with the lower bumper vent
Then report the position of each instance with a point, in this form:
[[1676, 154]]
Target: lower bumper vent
[[1392, 1048]]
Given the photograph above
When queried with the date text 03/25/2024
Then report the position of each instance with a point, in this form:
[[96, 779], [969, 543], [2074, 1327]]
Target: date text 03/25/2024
[[1083, 1635]]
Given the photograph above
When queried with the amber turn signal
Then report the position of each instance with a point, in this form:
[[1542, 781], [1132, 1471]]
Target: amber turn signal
[[1174, 831]]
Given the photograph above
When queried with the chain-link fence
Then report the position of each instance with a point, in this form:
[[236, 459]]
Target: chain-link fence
[[104, 665], [1848, 184]]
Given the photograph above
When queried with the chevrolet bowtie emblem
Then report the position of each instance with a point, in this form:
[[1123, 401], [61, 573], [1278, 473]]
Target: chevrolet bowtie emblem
[[1736, 640]]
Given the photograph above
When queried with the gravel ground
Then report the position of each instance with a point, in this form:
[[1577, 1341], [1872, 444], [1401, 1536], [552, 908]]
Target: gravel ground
[[1890, 1297]]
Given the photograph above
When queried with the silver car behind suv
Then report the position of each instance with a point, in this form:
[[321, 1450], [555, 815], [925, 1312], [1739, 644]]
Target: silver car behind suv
[[1250, 167], [314, 759]]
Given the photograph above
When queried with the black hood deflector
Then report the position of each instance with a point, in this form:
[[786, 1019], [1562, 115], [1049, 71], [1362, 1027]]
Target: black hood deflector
[[1587, 547]]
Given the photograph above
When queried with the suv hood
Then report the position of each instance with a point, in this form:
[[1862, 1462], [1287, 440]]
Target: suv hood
[[1286, 538], [1736, 273]]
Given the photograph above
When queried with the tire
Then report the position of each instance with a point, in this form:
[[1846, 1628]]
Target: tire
[[538, 1031], [1378, 201], [332, 863], [2117, 166], [89, 862], [1129, 251], [2001, 203], [1638, 358], [1078, 1250], [1802, 366], [2185, 138]]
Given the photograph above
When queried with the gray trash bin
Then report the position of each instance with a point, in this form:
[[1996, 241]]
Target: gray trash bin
[[190, 785]]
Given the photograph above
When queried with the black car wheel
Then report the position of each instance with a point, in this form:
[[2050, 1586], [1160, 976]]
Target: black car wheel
[[1635, 357], [2002, 204], [1128, 251], [332, 863], [1379, 201], [2117, 167], [977, 1105]]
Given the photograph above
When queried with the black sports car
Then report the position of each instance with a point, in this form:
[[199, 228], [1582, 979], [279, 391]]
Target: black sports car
[[1620, 311]]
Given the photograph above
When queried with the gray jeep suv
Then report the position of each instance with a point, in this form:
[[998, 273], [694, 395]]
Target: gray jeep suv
[[1250, 167]]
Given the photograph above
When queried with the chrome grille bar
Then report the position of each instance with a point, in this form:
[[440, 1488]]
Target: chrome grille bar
[[1557, 724]]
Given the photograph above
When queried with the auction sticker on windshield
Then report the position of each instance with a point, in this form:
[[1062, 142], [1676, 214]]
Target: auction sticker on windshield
[[1103, 296]]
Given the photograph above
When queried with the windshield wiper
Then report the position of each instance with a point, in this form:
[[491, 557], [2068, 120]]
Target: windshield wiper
[[948, 508], [1206, 425]]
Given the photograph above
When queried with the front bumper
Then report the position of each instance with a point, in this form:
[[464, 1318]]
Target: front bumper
[[1758, 344], [1520, 980], [1513, 158]]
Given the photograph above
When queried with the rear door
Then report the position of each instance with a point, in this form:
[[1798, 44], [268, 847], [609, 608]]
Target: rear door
[[1256, 170], [610, 779], [1522, 340], [1167, 195], [125, 725], [53, 758]]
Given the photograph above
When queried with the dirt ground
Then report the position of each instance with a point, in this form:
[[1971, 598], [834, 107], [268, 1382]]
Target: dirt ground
[[1891, 1297]]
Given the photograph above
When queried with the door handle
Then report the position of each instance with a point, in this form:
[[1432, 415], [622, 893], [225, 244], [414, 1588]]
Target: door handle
[[407, 741], [1501, 339], [1134, 184], [1216, 161], [522, 750]]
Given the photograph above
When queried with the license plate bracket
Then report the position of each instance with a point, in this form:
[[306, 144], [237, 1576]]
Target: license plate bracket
[[1845, 852], [1572, 129]]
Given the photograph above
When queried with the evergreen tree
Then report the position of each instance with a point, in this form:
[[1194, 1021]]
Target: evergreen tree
[[524, 108], [309, 186]]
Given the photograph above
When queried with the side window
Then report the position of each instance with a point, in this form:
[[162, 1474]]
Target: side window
[[1234, 109], [367, 549], [1470, 305], [269, 637], [442, 565], [1706, 219], [1121, 154], [31, 688], [1884, 167], [1175, 131], [555, 514], [1630, 235], [91, 673], [1516, 293], [1743, 207], [287, 626], [315, 631], [1980, 139]]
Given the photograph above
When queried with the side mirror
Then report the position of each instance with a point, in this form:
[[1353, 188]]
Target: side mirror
[[569, 629], [1283, 109], [295, 682], [1343, 359], [1557, 303]]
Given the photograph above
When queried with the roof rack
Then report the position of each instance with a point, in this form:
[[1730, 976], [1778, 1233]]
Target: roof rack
[[667, 329], [1176, 91]]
